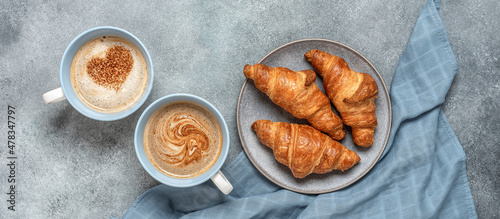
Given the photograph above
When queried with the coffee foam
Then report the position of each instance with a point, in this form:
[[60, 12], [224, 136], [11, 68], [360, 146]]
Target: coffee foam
[[182, 139], [104, 99]]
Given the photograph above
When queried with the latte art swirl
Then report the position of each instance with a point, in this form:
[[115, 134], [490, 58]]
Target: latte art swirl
[[180, 139]]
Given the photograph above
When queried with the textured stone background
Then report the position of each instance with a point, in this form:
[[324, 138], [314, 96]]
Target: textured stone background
[[70, 166]]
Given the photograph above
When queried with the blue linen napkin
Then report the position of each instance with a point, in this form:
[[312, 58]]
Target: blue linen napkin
[[420, 174]]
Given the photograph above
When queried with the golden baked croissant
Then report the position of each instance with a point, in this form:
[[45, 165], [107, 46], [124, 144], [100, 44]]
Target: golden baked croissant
[[352, 93], [297, 93], [304, 149]]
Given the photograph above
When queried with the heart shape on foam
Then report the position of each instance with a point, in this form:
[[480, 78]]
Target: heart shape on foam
[[112, 70]]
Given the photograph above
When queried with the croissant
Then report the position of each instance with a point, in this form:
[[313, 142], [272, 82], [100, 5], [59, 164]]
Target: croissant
[[352, 93], [297, 93], [304, 149]]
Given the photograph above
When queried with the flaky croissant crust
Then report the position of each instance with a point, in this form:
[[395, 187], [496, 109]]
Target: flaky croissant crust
[[304, 149], [298, 94], [352, 93]]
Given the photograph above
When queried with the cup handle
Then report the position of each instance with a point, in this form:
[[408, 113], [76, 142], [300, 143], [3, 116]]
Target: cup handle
[[222, 183], [53, 96]]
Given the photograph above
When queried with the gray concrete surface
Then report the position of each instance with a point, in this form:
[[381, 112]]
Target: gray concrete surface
[[69, 166]]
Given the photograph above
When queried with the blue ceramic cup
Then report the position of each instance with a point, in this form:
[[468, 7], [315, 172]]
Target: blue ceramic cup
[[66, 90], [213, 173]]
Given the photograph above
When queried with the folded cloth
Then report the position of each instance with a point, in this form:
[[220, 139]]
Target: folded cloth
[[420, 174]]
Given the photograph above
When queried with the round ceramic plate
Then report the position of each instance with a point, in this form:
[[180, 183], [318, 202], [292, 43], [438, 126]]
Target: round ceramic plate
[[254, 105]]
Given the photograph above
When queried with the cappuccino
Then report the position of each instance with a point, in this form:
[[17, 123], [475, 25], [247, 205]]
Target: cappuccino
[[182, 139], [109, 74]]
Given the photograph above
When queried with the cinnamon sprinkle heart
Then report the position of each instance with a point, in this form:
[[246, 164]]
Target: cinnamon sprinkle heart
[[112, 70]]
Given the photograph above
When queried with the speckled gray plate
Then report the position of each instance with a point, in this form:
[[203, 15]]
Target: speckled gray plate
[[254, 105]]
